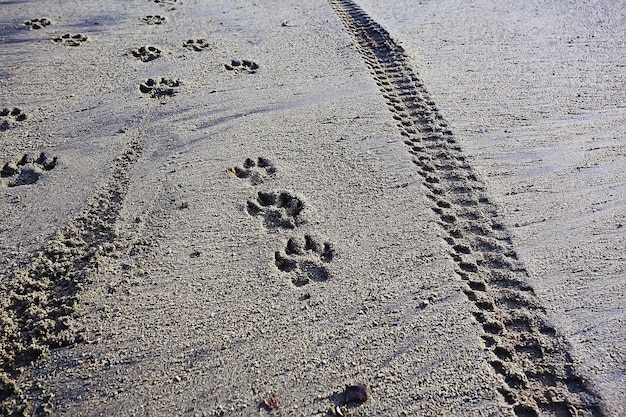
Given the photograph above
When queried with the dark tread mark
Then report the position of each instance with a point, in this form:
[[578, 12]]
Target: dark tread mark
[[37, 23], [38, 299], [71, 39], [304, 259], [165, 2], [523, 345], [197, 45], [242, 67], [280, 210], [256, 171], [27, 170], [146, 53], [153, 20], [159, 87], [10, 117]]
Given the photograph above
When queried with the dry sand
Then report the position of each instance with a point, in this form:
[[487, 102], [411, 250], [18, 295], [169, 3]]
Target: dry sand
[[216, 236]]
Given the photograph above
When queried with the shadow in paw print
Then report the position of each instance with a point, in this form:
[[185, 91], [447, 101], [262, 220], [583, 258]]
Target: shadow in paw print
[[278, 209], [27, 170], [256, 171], [242, 67], [304, 260]]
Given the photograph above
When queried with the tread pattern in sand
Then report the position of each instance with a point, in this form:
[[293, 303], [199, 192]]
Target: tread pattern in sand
[[533, 361], [26, 170]]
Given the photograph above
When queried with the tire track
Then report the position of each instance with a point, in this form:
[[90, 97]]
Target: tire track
[[39, 297], [531, 358]]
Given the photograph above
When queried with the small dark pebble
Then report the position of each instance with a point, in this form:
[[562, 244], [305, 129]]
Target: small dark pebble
[[356, 393]]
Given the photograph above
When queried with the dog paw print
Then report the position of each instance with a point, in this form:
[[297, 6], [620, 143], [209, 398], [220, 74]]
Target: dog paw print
[[197, 45], [242, 67], [37, 23], [146, 53], [280, 210], [153, 20], [71, 40], [159, 87], [9, 117], [304, 260], [256, 171], [26, 170]]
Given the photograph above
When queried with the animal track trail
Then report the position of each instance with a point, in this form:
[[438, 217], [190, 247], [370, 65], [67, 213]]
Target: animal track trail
[[71, 39], [153, 20], [146, 53], [255, 171], [37, 23], [303, 260], [10, 117], [279, 210], [242, 67], [530, 357], [197, 45], [27, 170], [159, 87]]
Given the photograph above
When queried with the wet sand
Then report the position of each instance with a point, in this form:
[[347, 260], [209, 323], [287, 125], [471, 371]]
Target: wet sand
[[243, 209]]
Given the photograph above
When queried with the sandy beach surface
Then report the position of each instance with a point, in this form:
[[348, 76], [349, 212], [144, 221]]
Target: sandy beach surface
[[321, 208]]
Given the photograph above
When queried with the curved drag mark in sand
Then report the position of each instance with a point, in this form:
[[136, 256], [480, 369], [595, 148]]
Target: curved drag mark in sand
[[39, 298], [537, 372]]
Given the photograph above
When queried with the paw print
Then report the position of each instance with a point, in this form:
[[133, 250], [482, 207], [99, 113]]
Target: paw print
[[160, 87], [146, 53], [9, 117], [197, 45], [304, 259], [278, 209], [27, 170], [153, 20], [256, 171], [71, 40], [242, 67], [37, 23]]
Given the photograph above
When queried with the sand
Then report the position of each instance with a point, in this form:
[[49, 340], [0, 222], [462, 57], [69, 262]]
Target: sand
[[244, 209]]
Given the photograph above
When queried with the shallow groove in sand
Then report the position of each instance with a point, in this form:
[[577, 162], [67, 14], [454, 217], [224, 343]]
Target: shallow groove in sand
[[532, 359], [39, 297]]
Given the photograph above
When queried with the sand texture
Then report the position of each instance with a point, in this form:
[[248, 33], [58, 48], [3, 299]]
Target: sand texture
[[321, 208]]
